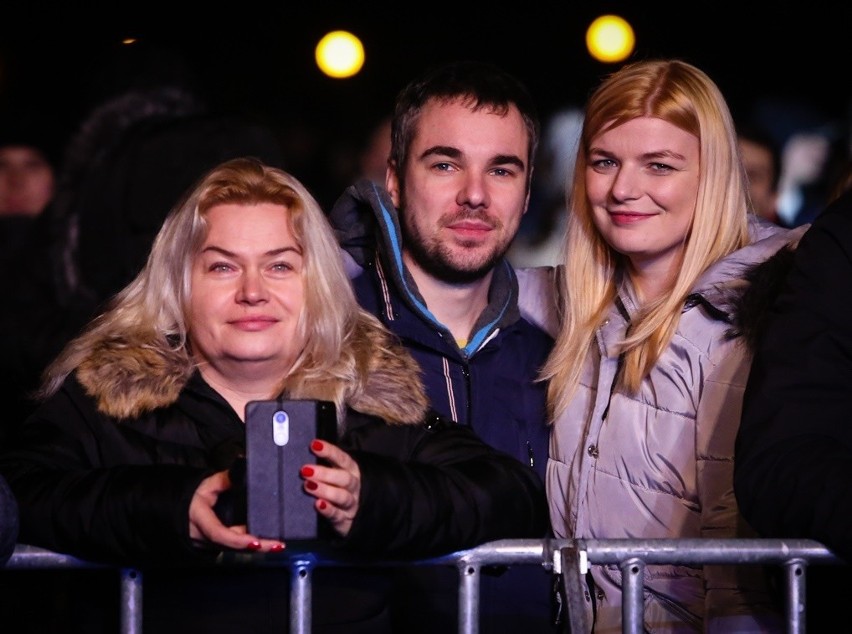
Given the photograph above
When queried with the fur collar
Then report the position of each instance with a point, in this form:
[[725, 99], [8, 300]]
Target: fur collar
[[132, 374], [752, 308]]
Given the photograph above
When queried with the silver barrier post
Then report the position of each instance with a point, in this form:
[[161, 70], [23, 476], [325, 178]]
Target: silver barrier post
[[794, 572], [632, 607], [468, 598], [131, 601], [300, 596]]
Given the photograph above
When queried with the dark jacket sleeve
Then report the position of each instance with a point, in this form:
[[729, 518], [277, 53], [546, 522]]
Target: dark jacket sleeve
[[436, 488], [793, 460], [8, 522], [86, 489]]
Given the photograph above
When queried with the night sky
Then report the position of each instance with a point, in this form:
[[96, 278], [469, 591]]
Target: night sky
[[258, 57]]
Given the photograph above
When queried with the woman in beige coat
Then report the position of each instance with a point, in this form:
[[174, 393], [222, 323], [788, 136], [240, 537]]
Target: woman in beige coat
[[646, 381]]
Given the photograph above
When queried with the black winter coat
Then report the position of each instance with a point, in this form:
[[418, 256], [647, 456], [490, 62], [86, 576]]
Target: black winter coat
[[117, 488], [119, 491], [793, 461]]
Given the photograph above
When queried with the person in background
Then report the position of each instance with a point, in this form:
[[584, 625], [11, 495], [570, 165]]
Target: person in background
[[29, 164], [762, 163], [540, 237], [647, 374], [244, 297], [793, 463], [149, 131], [428, 258], [28, 172], [814, 144], [27, 177], [374, 154]]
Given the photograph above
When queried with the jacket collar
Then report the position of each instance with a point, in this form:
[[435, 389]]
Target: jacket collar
[[364, 216], [134, 373]]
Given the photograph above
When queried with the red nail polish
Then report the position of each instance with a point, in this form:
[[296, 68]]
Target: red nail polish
[[317, 445], [307, 471], [253, 546], [311, 486], [276, 548], [322, 504]]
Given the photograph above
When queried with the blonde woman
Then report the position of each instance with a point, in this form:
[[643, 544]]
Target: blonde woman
[[646, 380], [244, 297]]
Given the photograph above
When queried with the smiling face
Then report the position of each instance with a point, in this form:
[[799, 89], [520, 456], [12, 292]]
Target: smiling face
[[642, 184], [247, 292], [465, 190]]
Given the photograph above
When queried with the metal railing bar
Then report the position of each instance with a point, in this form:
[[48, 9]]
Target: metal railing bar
[[707, 551], [569, 558]]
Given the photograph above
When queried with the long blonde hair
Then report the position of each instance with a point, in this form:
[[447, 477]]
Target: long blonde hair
[[153, 308], [683, 95]]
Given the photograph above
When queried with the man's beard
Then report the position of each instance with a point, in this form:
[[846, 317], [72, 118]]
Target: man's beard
[[436, 260]]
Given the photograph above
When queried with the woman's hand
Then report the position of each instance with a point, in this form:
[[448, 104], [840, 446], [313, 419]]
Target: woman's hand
[[336, 487], [205, 526]]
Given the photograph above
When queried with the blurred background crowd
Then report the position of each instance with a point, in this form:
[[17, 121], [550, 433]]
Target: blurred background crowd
[[108, 113]]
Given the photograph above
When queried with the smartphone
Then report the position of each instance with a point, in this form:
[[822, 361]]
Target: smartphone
[[278, 438]]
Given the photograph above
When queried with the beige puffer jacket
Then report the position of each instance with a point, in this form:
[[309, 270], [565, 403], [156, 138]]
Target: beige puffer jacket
[[659, 464]]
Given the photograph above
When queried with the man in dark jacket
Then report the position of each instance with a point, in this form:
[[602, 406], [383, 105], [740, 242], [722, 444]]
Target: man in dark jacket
[[793, 467], [428, 258]]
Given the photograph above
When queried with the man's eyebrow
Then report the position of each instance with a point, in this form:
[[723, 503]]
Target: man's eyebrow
[[441, 150], [509, 159], [452, 152]]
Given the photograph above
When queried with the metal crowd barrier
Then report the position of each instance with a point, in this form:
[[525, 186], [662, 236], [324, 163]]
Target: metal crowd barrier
[[569, 558]]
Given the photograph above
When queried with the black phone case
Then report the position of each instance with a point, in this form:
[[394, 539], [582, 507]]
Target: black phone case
[[278, 437]]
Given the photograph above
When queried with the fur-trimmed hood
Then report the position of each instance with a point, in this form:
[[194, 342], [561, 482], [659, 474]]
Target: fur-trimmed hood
[[741, 287], [751, 309], [130, 375]]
